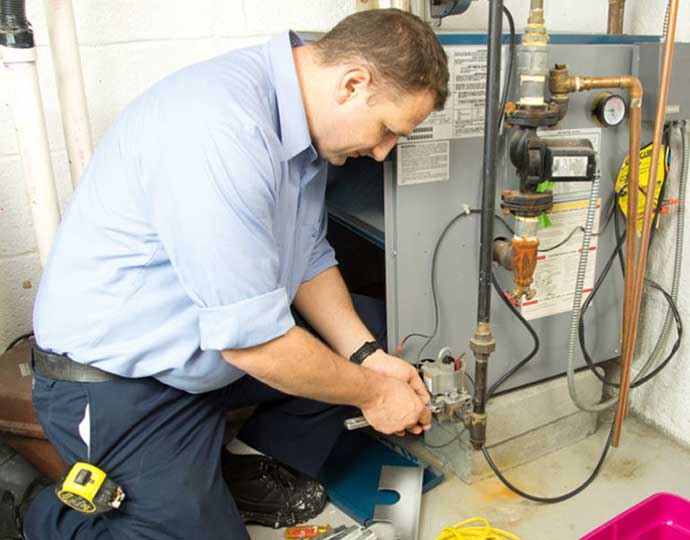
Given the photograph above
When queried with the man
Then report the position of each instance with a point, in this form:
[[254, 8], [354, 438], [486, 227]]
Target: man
[[199, 223]]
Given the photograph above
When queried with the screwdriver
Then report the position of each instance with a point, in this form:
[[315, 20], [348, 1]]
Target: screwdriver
[[358, 422]]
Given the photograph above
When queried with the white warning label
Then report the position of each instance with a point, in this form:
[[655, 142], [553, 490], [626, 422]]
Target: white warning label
[[554, 278], [423, 162], [572, 166], [463, 115]]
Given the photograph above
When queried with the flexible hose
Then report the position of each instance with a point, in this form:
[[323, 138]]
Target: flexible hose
[[666, 18], [678, 259], [577, 306]]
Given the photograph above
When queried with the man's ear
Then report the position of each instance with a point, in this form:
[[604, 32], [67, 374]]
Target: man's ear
[[355, 81]]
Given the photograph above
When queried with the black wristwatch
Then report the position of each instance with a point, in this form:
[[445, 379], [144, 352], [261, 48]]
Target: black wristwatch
[[364, 351]]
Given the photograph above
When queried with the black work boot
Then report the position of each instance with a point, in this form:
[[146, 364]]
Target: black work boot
[[20, 482], [270, 493]]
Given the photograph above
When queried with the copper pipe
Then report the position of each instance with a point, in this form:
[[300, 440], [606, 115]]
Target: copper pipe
[[636, 93], [629, 343], [561, 84], [616, 15]]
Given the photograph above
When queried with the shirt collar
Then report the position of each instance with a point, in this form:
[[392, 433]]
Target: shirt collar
[[294, 131]]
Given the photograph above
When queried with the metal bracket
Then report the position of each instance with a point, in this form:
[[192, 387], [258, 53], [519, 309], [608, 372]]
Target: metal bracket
[[403, 515]]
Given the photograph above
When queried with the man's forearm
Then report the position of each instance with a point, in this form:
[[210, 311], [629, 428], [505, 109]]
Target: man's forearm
[[299, 364], [325, 303]]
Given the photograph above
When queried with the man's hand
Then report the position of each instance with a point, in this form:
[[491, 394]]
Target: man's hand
[[396, 407], [394, 367]]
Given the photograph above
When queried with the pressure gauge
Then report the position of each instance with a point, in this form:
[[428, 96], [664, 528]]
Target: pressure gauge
[[609, 109]]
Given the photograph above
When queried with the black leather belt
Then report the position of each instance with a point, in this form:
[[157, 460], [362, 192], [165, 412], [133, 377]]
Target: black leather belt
[[62, 368]]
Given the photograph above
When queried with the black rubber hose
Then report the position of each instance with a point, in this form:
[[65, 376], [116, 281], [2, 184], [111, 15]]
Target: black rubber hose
[[15, 29]]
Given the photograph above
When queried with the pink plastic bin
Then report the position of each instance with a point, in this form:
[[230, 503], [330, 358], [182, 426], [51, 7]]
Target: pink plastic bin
[[660, 517]]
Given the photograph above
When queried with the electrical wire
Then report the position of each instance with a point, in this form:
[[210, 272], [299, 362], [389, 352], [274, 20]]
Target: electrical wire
[[467, 212], [437, 446], [509, 74], [642, 377], [560, 498], [640, 380], [564, 241], [535, 338], [476, 528]]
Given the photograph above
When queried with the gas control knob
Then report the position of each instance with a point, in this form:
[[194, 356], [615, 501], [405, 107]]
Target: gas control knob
[[609, 109]]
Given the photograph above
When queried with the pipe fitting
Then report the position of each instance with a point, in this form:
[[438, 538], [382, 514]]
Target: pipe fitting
[[15, 29], [483, 342], [477, 429], [503, 253], [559, 80]]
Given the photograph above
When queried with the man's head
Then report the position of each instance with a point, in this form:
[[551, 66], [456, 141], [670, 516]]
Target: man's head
[[370, 80]]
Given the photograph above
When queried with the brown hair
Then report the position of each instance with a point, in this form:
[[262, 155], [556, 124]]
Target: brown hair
[[400, 49]]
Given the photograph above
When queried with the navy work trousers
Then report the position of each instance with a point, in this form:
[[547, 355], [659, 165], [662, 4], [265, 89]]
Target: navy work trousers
[[163, 446]]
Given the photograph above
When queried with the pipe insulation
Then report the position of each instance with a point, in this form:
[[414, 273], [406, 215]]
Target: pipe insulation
[[32, 138], [70, 85], [19, 60]]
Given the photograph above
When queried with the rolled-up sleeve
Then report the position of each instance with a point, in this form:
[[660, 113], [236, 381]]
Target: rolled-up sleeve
[[322, 255], [212, 196]]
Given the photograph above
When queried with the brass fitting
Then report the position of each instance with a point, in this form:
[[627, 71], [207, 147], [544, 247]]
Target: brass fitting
[[524, 263], [559, 80], [482, 341]]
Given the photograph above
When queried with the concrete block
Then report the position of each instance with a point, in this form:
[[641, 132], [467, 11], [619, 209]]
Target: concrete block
[[19, 278], [102, 22], [524, 410], [539, 442], [115, 74], [271, 16], [16, 227]]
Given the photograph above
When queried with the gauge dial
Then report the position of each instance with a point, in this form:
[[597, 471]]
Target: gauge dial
[[609, 109]]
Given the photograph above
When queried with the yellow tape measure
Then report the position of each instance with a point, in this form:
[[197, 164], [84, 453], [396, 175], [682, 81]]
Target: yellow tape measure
[[88, 489]]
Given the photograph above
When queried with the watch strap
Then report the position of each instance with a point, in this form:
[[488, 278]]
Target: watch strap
[[364, 351]]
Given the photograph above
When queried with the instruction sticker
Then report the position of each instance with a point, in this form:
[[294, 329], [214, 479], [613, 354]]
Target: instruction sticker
[[463, 115], [556, 273], [423, 162]]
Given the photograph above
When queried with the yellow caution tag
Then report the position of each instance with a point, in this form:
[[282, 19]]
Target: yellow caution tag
[[645, 165]]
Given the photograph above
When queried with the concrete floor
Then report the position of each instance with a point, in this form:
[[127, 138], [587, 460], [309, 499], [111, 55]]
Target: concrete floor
[[645, 463]]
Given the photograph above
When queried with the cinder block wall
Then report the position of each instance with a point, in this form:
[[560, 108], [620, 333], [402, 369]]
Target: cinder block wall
[[128, 45]]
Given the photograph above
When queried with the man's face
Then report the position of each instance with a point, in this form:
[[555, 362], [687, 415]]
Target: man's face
[[369, 124]]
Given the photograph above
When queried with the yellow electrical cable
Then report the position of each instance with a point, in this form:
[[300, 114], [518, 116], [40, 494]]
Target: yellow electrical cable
[[480, 530]]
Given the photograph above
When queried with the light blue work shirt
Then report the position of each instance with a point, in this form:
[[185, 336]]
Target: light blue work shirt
[[198, 217]]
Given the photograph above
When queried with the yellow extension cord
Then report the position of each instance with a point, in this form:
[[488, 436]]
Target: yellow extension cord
[[475, 529]]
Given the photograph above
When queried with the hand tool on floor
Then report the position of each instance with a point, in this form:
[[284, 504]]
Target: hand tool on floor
[[306, 531]]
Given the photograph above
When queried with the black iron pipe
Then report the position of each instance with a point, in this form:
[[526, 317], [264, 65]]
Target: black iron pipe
[[482, 342], [491, 124], [15, 29]]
